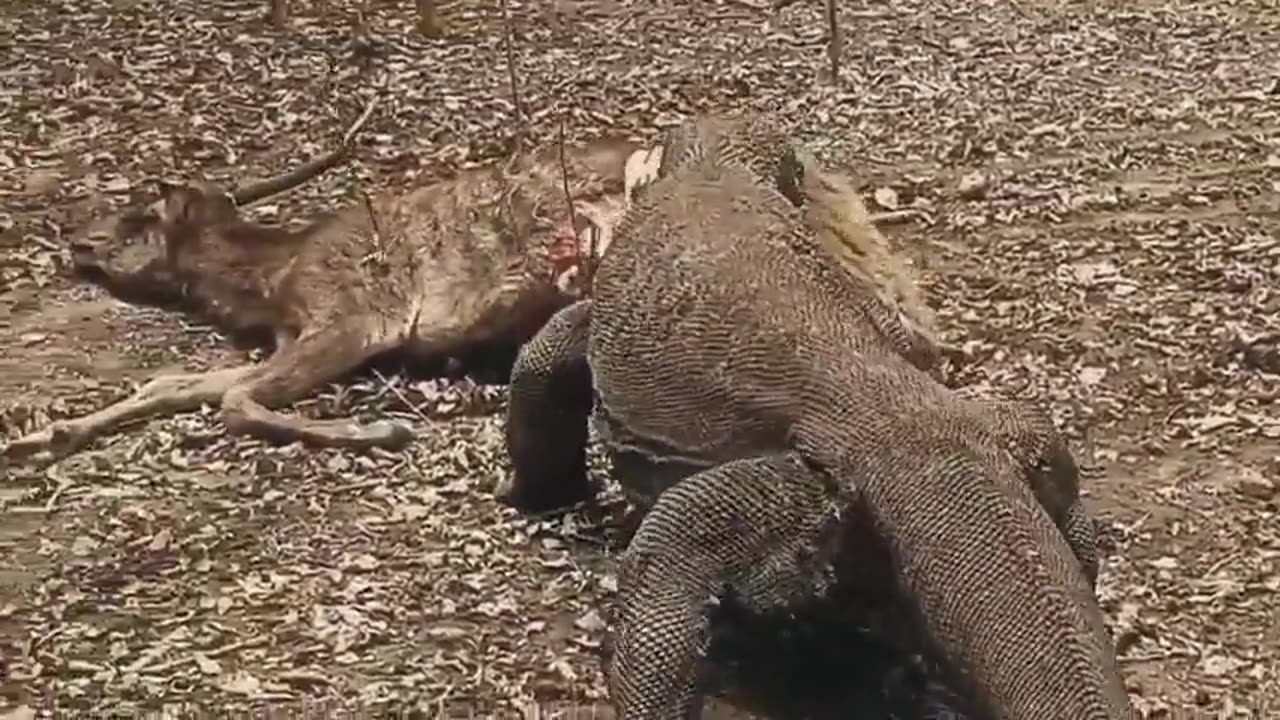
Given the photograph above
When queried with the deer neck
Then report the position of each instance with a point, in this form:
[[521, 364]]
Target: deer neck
[[234, 272]]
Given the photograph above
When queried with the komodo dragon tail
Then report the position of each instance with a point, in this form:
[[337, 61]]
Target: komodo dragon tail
[[994, 581]]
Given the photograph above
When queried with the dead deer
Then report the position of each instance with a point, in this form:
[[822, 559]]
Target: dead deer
[[485, 257]]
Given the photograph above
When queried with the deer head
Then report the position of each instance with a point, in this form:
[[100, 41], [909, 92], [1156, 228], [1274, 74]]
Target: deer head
[[596, 176], [131, 254]]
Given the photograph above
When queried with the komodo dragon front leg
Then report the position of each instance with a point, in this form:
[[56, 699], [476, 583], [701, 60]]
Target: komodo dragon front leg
[[1050, 469], [548, 405], [745, 525]]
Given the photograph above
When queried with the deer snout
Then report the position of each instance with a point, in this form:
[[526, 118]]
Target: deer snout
[[84, 251]]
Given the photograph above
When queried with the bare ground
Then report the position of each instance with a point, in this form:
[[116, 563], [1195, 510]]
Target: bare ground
[[1097, 188]]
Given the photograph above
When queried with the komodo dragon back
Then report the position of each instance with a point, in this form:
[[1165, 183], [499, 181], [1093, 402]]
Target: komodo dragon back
[[833, 210], [720, 330]]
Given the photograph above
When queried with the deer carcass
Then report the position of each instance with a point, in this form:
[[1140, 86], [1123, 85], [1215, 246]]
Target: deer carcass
[[483, 258]]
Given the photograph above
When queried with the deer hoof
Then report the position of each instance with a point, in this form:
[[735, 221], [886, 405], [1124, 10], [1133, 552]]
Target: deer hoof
[[27, 445], [389, 435]]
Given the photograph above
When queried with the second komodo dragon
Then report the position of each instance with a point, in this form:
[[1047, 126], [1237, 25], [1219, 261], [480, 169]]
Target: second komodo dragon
[[794, 448]]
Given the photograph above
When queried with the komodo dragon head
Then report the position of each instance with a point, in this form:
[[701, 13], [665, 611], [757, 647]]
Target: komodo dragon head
[[756, 142]]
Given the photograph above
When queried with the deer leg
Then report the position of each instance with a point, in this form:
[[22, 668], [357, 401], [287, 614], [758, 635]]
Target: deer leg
[[548, 404], [293, 373], [164, 395]]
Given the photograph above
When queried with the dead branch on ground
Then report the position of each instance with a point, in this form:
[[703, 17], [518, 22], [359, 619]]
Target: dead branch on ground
[[254, 192], [836, 42], [509, 42]]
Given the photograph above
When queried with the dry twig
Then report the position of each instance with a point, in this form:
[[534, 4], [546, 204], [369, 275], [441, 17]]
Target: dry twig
[[834, 46], [252, 193], [509, 43], [379, 253], [391, 386], [587, 266]]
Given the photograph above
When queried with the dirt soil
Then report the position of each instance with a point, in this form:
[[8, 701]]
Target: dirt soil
[[1092, 190]]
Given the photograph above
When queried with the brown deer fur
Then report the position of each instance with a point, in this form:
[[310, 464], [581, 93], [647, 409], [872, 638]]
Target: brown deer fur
[[435, 272]]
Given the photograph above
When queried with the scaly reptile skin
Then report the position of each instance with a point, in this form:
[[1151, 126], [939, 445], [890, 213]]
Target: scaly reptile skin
[[722, 340], [543, 370]]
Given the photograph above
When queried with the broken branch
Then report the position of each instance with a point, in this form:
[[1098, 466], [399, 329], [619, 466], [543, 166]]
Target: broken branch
[[586, 267], [835, 43], [378, 255], [509, 43], [271, 186]]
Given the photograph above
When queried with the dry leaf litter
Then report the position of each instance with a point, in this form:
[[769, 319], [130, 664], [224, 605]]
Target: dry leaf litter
[[1092, 191]]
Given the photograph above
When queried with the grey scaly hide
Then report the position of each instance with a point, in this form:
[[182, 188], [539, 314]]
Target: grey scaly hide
[[802, 459]]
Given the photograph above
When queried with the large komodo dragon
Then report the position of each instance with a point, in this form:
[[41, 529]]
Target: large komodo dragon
[[457, 268], [765, 397]]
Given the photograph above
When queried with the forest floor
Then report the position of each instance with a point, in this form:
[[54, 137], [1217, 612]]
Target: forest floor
[[1095, 191]]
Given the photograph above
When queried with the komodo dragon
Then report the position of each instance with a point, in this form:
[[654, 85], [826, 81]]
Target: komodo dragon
[[779, 423]]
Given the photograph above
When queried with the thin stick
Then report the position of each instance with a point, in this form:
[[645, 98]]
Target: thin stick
[[373, 218], [379, 254], [266, 188], [898, 216], [585, 266], [509, 42], [350, 134], [834, 47], [400, 395]]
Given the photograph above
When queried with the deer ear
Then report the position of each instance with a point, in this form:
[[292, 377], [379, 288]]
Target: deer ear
[[607, 157], [164, 188], [168, 199], [640, 169], [178, 204], [214, 201], [517, 210]]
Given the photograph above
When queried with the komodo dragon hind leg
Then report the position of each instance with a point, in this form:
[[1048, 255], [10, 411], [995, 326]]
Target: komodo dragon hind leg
[[163, 395], [768, 535], [548, 405], [293, 372], [754, 526]]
